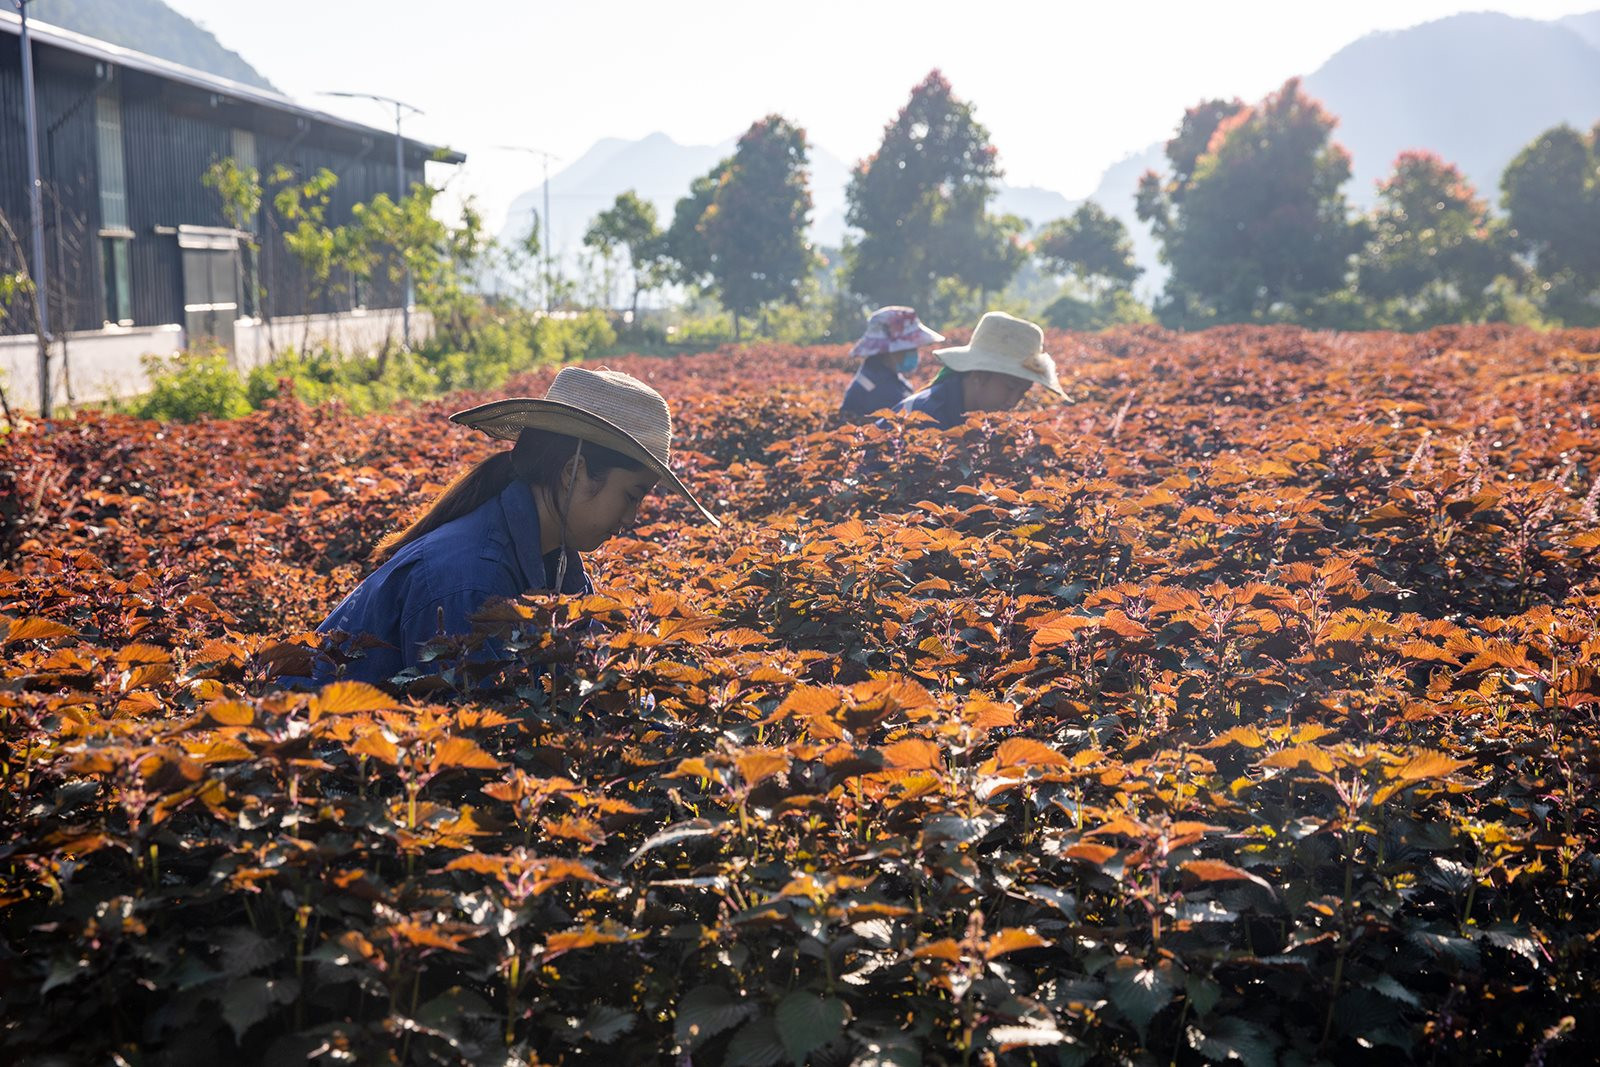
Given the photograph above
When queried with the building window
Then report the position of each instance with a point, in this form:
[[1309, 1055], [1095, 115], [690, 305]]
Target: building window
[[115, 236], [115, 268], [113, 173], [249, 282], [244, 149]]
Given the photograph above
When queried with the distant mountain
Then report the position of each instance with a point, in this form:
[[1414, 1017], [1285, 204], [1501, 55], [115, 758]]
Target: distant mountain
[[1585, 26], [1473, 88], [148, 26], [660, 170], [656, 167], [1037, 206]]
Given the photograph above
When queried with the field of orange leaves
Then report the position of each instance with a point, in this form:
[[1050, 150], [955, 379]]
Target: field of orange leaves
[[1244, 709]]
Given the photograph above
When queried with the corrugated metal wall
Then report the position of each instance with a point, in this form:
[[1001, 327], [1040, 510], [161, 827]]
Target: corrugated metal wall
[[13, 167], [66, 95], [171, 134]]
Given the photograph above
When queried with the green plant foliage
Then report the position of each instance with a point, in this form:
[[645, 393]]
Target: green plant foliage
[[1075, 310], [755, 225], [1552, 195], [192, 386], [920, 203], [356, 382], [302, 206], [571, 337], [1251, 217], [685, 238], [1434, 252], [1090, 245], [629, 226]]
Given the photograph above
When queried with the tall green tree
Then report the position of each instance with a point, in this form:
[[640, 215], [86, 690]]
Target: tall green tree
[[1253, 223], [1551, 192], [386, 238], [686, 247], [629, 227], [1433, 250], [920, 203], [1090, 245], [755, 226], [1093, 250], [300, 210]]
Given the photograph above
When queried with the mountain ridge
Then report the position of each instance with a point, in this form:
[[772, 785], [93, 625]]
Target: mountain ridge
[[151, 27]]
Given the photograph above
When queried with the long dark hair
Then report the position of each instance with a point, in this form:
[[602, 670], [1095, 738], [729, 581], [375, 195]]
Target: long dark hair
[[536, 460]]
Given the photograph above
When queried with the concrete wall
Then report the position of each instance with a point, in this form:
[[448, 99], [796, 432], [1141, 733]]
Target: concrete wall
[[354, 331], [102, 363], [105, 364]]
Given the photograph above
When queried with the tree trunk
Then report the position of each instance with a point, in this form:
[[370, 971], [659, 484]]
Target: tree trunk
[[11, 419], [736, 326]]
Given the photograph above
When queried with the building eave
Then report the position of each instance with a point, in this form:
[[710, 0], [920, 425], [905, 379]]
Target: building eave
[[104, 51]]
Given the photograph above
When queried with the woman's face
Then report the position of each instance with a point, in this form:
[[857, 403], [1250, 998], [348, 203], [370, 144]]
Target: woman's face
[[603, 508], [990, 391]]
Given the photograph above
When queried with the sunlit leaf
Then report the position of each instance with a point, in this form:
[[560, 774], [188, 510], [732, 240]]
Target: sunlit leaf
[[1300, 756], [1012, 939], [1427, 764], [913, 754], [756, 767], [1026, 752], [231, 713], [348, 698], [461, 753], [32, 629], [1218, 871]]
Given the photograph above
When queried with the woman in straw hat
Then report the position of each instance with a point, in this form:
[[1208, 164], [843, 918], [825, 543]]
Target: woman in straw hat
[[888, 353], [993, 372], [585, 456]]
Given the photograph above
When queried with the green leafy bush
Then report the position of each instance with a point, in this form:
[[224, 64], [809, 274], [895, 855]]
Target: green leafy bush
[[1115, 307], [501, 347], [566, 339], [361, 383], [185, 387]]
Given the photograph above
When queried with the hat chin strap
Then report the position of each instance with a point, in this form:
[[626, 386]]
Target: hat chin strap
[[566, 507]]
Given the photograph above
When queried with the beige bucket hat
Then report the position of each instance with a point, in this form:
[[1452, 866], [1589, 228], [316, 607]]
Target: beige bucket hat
[[607, 407], [1005, 344]]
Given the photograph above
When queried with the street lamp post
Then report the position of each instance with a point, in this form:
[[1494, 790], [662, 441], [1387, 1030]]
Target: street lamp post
[[37, 269], [400, 107], [548, 236]]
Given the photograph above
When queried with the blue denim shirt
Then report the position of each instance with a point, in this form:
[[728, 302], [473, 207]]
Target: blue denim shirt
[[942, 400], [875, 386], [432, 584]]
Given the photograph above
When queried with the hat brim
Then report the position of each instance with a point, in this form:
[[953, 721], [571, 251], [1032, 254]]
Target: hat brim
[[966, 358], [505, 419], [925, 337]]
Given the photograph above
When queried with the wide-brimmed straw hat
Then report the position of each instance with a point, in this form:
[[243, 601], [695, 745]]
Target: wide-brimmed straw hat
[[894, 329], [1005, 344], [609, 408]]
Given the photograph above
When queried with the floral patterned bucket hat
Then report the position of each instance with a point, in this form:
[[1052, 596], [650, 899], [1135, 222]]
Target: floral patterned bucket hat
[[894, 329]]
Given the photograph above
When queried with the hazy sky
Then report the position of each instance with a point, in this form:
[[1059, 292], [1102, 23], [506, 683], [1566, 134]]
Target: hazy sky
[[1065, 88]]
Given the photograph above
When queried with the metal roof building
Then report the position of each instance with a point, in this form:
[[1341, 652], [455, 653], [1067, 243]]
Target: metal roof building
[[138, 251]]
